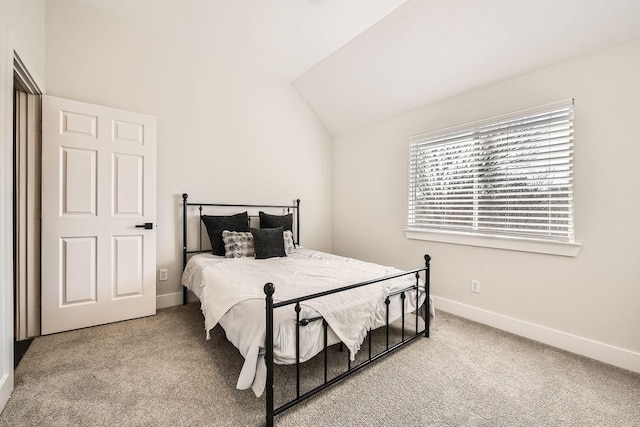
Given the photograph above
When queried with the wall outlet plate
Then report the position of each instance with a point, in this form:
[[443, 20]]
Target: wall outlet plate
[[164, 274], [475, 286]]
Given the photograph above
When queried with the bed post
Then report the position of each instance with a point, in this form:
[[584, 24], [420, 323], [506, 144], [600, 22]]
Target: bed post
[[298, 221], [184, 242], [427, 286], [269, 289]]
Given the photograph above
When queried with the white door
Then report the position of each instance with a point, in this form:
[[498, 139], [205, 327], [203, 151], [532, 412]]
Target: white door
[[98, 189]]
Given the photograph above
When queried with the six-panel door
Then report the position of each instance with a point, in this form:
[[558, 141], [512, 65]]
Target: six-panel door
[[98, 183]]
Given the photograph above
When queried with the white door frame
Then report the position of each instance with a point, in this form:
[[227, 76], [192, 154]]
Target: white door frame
[[27, 217], [9, 48]]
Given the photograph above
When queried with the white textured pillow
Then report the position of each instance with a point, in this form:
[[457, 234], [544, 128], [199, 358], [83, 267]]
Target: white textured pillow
[[289, 246], [238, 244]]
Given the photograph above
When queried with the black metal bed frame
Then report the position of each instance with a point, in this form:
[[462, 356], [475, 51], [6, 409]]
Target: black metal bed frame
[[269, 289]]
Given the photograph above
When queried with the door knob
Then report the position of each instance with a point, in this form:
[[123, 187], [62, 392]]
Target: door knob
[[146, 226]]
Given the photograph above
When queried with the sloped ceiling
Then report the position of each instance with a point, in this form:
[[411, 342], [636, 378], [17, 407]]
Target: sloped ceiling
[[429, 50], [360, 61], [283, 38]]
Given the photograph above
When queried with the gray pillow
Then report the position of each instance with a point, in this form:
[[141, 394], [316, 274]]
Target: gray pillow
[[289, 246], [238, 244]]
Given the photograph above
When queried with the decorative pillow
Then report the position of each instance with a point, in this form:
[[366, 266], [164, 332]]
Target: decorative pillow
[[289, 246], [268, 242], [217, 224], [238, 244], [274, 221]]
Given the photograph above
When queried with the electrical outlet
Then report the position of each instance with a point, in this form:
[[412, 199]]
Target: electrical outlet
[[164, 273], [475, 286]]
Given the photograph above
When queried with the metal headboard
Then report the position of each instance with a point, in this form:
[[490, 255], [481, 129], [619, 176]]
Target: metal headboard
[[294, 209]]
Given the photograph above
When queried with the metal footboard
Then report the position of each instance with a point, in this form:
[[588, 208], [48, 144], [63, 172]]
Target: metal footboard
[[269, 290]]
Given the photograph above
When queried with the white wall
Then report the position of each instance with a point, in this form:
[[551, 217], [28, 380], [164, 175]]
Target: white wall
[[21, 30], [224, 134], [25, 20], [594, 296]]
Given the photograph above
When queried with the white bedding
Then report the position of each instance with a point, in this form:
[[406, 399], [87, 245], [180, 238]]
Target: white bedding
[[237, 301]]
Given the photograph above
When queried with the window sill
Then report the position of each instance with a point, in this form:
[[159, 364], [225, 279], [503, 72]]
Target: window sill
[[497, 242]]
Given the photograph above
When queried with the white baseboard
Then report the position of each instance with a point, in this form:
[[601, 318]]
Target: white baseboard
[[583, 346], [169, 300]]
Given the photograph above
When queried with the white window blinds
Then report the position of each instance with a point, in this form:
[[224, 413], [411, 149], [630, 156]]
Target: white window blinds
[[510, 176]]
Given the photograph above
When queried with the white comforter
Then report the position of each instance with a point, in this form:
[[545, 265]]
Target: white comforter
[[231, 293]]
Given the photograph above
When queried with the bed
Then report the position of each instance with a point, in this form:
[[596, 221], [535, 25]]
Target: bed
[[282, 304]]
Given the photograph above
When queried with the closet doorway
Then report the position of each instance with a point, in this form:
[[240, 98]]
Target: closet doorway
[[26, 207]]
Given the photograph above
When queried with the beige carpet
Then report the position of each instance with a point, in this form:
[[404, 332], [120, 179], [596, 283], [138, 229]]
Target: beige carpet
[[160, 371]]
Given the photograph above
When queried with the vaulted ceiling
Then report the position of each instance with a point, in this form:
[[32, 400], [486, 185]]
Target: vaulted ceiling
[[360, 61]]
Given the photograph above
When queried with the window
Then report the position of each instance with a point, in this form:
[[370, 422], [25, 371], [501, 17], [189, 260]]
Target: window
[[509, 176]]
